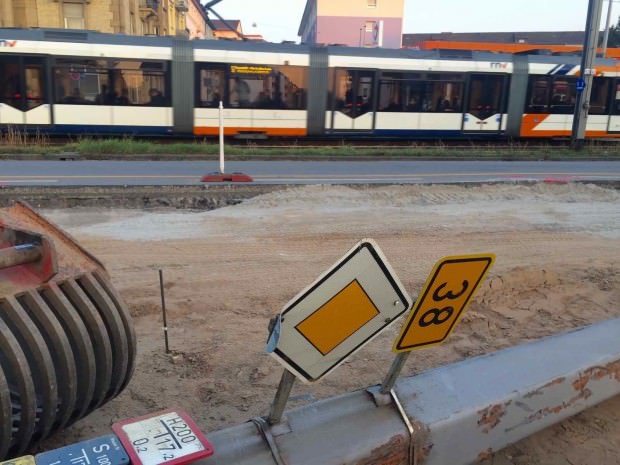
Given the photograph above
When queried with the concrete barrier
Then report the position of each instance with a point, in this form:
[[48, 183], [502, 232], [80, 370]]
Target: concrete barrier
[[456, 414]]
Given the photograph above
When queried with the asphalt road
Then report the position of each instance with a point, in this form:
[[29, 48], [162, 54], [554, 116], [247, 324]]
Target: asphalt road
[[136, 173]]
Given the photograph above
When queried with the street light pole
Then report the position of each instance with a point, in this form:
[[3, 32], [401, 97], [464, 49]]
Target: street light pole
[[590, 46], [607, 24]]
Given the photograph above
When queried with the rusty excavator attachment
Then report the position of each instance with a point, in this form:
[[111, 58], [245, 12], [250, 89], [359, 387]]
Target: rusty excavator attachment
[[67, 342]]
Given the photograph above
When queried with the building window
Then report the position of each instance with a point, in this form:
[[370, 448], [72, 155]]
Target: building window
[[372, 3], [73, 15], [370, 26]]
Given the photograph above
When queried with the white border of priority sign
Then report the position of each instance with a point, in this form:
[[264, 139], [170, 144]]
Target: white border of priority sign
[[345, 308], [168, 437]]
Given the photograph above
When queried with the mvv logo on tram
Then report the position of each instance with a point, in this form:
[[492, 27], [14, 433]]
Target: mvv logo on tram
[[7, 43], [447, 292]]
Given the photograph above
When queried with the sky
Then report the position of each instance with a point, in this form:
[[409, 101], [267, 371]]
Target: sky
[[278, 20]]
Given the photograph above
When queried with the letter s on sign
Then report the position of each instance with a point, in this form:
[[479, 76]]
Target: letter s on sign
[[101, 448]]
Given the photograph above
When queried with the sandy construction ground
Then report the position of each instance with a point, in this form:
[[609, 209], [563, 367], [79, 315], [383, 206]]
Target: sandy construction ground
[[228, 271]]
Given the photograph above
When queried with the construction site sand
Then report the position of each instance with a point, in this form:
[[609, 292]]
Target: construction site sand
[[228, 271]]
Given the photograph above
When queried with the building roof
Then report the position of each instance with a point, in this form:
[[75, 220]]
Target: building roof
[[220, 26], [533, 37]]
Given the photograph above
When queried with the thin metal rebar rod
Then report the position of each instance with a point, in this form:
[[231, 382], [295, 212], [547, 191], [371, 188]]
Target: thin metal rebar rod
[[19, 255], [281, 398], [163, 309]]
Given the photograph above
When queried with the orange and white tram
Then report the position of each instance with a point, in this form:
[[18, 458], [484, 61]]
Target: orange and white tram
[[81, 82]]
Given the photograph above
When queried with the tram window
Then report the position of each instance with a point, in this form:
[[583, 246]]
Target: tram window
[[413, 91], [616, 108], [35, 86], [537, 101], [83, 82], [293, 86], [211, 87], [139, 83], [10, 93], [390, 96], [442, 96], [330, 93], [599, 98], [267, 87], [344, 92], [563, 96], [485, 93], [98, 82]]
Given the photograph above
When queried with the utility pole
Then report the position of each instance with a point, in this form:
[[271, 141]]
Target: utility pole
[[590, 46], [607, 24]]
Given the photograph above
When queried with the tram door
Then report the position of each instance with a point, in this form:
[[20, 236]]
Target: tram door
[[23, 92], [353, 101], [486, 103], [614, 114]]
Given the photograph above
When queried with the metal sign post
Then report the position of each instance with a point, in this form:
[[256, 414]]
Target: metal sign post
[[221, 114], [607, 23], [221, 176], [590, 45], [394, 373], [281, 398]]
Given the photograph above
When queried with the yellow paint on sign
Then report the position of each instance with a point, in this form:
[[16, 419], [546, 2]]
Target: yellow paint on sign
[[442, 302], [25, 460], [339, 318]]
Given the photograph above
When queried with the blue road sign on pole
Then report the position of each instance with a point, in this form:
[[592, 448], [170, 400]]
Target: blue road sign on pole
[[581, 85]]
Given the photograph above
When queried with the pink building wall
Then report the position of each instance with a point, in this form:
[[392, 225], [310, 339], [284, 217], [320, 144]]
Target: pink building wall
[[345, 22], [351, 31]]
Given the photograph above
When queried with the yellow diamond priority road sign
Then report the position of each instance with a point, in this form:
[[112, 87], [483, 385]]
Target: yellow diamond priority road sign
[[341, 311], [447, 292]]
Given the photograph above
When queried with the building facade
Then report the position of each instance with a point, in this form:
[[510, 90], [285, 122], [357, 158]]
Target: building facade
[[114, 16], [196, 21], [356, 23], [134, 17]]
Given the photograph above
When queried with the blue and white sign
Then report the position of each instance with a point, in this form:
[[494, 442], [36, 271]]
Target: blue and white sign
[[104, 450], [581, 85]]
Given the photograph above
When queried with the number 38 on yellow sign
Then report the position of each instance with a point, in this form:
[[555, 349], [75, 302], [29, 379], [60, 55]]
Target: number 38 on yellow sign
[[447, 292]]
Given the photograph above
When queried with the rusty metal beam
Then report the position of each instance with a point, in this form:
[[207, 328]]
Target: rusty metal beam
[[459, 413]]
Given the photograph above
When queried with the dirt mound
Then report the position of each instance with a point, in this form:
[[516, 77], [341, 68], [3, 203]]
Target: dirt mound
[[230, 270]]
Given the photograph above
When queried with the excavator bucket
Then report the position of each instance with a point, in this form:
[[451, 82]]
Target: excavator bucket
[[67, 342]]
